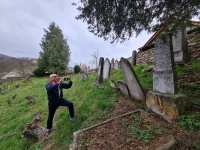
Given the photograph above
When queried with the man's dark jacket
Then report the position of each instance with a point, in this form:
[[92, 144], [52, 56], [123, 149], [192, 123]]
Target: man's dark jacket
[[52, 90]]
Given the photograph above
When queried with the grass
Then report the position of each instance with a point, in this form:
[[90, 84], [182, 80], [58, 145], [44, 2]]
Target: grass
[[91, 103]]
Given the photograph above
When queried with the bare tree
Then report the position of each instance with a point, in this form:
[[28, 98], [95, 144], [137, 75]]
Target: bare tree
[[95, 58]]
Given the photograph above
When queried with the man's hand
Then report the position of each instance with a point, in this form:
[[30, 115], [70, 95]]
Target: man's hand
[[61, 80]]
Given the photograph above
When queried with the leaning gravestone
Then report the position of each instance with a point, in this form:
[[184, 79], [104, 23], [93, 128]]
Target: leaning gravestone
[[84, 76], [112, 63], [106, 69], [132, 81], [164, 100], [180, 47], [99, 78], [123, 87], [116, 65], [133, 58]]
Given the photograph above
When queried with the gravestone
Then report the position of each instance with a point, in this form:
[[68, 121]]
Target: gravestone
[[133, 58], [180, 47], [84, 76], [134, 87], [88, 68], [165, 99], [164, 75], [17, 85], [123, 87], [112, 63], [116, 64], [106, 69], [99, 78]]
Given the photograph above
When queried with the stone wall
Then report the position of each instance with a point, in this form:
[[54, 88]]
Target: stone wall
[[194, 45], [147, 57]]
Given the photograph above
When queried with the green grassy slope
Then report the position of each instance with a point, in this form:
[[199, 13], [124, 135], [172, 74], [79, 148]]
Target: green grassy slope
[[90, 104]]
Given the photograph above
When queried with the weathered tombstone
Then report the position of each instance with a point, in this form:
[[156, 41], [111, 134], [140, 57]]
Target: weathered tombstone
[[99, 78], [88, 68], [164, 100], [164, 75], [180, 47], [8, 87], [134, 87], [17, 84], [123, 87], [84, 76], [116, 65], [133, 58], [112, 63], [106, 69]]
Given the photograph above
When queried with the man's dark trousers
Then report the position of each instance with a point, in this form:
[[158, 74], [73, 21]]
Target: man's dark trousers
[[53, 105]]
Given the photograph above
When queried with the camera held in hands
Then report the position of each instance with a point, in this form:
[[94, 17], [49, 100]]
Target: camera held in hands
[[66, 79]]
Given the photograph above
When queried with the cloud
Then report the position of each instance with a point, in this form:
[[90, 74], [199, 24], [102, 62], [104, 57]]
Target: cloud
[[22, 24]]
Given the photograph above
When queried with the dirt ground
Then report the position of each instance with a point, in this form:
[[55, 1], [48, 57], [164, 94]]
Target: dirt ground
[[136, 131]]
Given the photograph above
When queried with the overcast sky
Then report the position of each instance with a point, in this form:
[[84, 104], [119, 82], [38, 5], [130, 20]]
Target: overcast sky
[[23, 21]]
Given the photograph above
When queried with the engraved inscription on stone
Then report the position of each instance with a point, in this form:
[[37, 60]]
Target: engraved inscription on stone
[[162, 59], [164, 77]]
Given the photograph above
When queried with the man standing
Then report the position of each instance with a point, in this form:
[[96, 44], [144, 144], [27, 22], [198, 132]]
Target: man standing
[[55, 98]]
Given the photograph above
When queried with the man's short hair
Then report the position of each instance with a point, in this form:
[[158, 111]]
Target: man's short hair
[[52, 75]]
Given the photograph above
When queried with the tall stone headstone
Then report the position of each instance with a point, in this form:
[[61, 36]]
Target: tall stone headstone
[[99, 78], [133, 58], [116, 64], [112, 63], [180, 47], [106, 69], [134, 86], [165, 99], [88, 68], [164, 76]]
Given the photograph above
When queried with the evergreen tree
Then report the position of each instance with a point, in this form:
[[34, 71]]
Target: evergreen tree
[[120, 19], [56, 52]]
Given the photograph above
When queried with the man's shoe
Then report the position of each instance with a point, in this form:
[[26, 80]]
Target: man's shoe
[[48, 131], [72, 119]]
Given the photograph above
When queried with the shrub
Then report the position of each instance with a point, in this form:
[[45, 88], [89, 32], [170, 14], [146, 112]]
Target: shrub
[[77, 69], [38, 72]]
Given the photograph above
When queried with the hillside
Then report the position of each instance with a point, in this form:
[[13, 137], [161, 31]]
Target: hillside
[[8, 63], [92, 105]]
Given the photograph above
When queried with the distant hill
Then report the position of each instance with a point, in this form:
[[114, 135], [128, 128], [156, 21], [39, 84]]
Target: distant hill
[[8, 63]]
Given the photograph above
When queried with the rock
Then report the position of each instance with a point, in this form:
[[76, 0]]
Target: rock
[[149, 69], [112, 83], [31, 99], [14, 96], [33, 132], [170, 106]]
